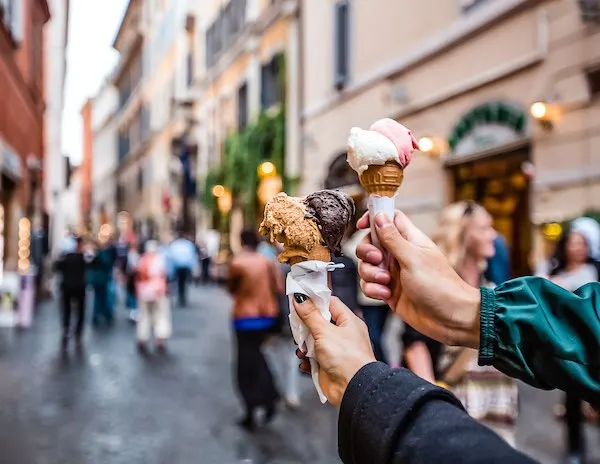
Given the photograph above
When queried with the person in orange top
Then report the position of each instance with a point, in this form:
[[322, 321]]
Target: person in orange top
[[254, 283], [154, 313]]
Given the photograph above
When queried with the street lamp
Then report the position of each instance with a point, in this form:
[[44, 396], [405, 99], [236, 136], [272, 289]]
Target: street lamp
[[267, 169]]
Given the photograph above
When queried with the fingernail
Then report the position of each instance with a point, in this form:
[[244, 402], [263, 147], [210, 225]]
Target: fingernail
[[382, 220], [300, 298]]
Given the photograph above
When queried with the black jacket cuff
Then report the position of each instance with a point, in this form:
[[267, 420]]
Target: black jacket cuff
[[377, 406]]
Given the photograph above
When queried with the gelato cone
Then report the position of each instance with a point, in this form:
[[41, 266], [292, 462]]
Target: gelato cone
[[380, 154], [285, 222], [310, 229], [333, 211], [382, 180]]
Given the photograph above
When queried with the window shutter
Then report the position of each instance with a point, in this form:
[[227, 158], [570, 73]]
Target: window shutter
[[342, 44]]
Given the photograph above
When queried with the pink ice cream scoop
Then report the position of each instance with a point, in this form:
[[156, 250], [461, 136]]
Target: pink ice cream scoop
[[400, 136]]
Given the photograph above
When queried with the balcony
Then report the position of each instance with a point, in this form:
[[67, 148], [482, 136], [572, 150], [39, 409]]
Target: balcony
[[224, 30]]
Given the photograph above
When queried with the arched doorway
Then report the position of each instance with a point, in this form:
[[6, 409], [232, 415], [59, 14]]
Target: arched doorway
[[490, 148]]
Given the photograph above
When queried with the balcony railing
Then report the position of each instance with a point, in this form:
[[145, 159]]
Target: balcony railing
[[225, 29]]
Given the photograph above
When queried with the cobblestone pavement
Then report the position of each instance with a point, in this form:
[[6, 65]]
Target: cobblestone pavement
[[110, 405]]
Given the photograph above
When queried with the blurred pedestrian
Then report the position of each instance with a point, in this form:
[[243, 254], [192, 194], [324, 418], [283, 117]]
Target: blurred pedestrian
[[254, 283], [131, 265], [575, 266], [283, 329], [99, 277], [154, 313], [374, 312], [466, 237], [498, 266], [184, 257], [72, 269]]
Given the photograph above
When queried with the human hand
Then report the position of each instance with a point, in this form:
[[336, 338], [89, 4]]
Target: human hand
[[341, 349], [420, 285]]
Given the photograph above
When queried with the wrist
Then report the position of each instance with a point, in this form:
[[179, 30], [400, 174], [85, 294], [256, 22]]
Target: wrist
[[466, 309]]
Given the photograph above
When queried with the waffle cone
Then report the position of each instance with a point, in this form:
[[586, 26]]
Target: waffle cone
[[383, 180], [293, 256]]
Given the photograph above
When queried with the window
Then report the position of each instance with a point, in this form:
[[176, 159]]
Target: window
[[593, 78], [342, 44], [271, 83], [37, 42], [242, 104], [140, 179]]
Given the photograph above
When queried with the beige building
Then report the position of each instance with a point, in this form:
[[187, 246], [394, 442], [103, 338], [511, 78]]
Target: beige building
[[239, 74], [464, 74]]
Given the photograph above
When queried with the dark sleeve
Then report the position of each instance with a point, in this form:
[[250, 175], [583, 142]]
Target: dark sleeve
[[545, 335], [393, 416]]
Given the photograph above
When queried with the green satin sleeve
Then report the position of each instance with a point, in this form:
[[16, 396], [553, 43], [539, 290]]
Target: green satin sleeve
[[536, 331]]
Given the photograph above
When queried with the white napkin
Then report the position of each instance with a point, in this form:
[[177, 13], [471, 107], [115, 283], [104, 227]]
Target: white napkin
[[378, 205], [309, 278]]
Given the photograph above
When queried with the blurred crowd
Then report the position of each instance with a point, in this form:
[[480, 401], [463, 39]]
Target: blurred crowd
[[144, 277]]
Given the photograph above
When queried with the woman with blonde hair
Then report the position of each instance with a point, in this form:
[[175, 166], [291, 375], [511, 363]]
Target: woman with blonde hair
[[466, 236]]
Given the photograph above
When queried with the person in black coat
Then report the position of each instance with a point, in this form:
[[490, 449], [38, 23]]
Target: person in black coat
[[391, 415], [72, 269]]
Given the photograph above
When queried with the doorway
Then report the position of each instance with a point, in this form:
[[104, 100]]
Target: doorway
[[499, 184]]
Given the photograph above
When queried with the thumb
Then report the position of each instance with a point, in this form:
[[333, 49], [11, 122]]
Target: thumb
[[309, 314], [411, 232], [390, 237]]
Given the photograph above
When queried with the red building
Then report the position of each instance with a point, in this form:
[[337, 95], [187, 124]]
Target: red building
[[21, 115]]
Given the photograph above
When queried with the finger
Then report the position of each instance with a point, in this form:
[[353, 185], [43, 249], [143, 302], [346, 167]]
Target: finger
[[340, 312], [376, 291], [409, 231], [391, 238], [366, 251], [363, 222], [310, 314], [374, 274], [300, 354]]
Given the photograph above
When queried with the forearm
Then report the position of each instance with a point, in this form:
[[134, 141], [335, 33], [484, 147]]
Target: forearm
[[392, 416], [544, 335]]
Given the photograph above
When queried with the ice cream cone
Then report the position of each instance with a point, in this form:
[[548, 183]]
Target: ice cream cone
[[383, 180], [295, 256]]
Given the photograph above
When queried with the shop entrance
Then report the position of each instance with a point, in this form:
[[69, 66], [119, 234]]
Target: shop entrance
[[499, 184]]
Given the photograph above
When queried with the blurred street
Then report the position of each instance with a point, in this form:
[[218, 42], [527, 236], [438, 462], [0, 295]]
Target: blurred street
[[111, 405]]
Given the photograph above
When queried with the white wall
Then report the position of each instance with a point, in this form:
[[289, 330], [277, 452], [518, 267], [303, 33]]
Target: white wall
[[54, 163]]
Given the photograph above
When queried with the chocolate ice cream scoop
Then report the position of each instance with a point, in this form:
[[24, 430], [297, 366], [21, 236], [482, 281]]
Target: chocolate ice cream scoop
[[333, 211]]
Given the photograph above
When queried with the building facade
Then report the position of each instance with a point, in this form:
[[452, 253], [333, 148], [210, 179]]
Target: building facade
[[132, 117], [465, 78], [55, 180], [249, 64], [21, 117], [104, 156]]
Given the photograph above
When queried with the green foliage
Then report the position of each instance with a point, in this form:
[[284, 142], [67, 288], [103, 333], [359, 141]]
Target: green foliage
[[262, 140]]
